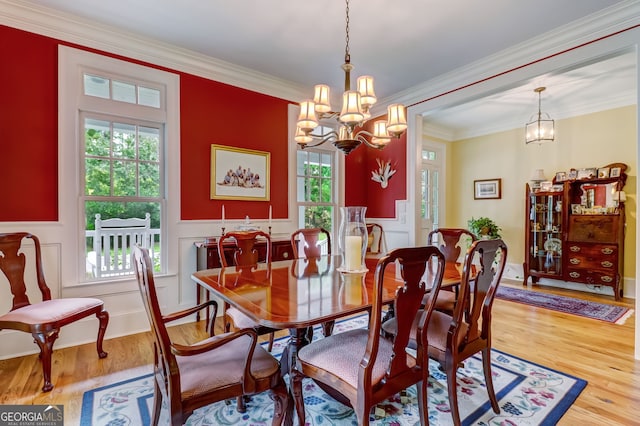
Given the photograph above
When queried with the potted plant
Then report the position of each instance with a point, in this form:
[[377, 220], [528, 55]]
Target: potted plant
[[484, 228]]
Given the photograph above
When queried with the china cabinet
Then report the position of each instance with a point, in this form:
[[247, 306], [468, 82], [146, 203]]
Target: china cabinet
[[574, 229]]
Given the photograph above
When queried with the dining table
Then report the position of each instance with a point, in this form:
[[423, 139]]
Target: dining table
[[297, 294]]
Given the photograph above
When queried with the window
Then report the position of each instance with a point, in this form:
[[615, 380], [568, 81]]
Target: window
[[122, 179], [315, 188]]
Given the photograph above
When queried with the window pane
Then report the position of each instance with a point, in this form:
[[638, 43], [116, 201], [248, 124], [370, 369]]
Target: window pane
[[300, 192], [124, 92], [124, 140], [148, 97], [149, 144], [96, 86], [97, 177], [313, 164], [314, 190], [124, 178], [97, 139], [317, 216], [149, 179], [325, 194]]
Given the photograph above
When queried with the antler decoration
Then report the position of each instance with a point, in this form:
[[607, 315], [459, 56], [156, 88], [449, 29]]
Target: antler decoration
[[383, 174]]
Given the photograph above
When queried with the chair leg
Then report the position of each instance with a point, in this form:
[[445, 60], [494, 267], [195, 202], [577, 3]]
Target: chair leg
[[327, 328], [423, 402], [45, 343], [451, 370], [103, 316], [486, 364], [282, 405], [240, 405], [270, 346], [157, 402]]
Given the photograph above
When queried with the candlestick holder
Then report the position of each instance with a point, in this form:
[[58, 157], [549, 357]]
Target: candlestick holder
[[269, 229], [222, 231]]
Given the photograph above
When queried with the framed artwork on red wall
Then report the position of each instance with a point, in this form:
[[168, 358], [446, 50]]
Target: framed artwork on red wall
[[239, 174]]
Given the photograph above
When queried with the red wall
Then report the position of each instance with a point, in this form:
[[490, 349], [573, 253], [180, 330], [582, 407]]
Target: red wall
[[362, 191], [209, 114], [28, 127]]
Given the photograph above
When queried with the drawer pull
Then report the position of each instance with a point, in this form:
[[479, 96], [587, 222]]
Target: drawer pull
[[607, 250], [606, 264], [285, 255], [574, 275], [606, 279], [574, 261], [574, 249]]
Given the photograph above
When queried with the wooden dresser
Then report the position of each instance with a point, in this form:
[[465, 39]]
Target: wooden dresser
[[595, 245]]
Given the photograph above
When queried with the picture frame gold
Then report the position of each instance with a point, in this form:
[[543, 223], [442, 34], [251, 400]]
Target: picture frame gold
[[485, 189], [239, 174]]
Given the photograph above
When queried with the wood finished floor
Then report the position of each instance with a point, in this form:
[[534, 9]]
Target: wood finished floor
[[598, 352]]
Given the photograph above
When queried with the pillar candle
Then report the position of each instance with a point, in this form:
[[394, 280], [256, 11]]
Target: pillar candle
[[353, 252], [353, 289], [223, 214]]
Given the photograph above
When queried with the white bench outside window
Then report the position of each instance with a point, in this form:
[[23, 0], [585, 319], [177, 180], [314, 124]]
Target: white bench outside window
[[112, 242]]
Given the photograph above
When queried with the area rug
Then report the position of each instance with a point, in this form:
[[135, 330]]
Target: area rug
[[529, 394], [568, 305]]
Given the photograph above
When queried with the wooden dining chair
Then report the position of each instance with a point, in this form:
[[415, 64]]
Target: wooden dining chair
[[42, 319], [365, 367], [244, 255], [307, 243], [451, 242], [215, 369], [454, 338]]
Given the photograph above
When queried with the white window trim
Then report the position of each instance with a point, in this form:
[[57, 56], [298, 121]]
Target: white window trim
[[71, 63]]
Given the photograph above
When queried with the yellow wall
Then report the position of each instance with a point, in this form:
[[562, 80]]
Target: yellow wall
[[592, 140]]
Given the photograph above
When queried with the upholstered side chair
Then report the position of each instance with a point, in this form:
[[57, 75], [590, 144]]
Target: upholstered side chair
[[45, 318], [229, 365], [362, 365]]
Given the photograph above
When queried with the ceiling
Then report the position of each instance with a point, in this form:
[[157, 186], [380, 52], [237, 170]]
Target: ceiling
[[401, 44]]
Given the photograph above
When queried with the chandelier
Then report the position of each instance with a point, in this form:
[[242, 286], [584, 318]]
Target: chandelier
[[539, 129], [356, 106]]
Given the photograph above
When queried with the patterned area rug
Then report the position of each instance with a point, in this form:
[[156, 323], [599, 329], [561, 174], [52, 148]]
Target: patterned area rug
[[569, 305], [529, 394]]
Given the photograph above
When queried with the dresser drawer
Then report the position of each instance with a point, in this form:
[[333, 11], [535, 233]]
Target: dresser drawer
[[587, 276], [593, 228], [607, 263], [592, 250], [281, 250]]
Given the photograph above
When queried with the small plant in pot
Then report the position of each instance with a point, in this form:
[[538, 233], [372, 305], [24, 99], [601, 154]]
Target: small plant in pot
[[484, 228]]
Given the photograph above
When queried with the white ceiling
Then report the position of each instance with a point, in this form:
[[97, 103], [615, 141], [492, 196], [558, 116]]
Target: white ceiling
[[401, 43]]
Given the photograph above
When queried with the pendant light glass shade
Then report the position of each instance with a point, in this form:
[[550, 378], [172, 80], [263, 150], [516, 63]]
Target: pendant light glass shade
[[540, 127]]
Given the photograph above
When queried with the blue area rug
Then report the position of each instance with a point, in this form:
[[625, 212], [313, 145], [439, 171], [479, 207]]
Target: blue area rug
[[529, 394], [569, 305]]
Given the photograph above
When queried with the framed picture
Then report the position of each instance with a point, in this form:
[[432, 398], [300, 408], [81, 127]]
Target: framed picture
[[239, 174], [572, 175], [576, 208], [603, 173], [485, 189], [561, 177], [586, 173], [615, 172]]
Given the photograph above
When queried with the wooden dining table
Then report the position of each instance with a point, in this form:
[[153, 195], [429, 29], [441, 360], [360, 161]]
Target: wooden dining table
[[297, 294]]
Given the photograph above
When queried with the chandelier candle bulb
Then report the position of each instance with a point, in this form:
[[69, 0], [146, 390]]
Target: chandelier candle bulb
[[353, 252]]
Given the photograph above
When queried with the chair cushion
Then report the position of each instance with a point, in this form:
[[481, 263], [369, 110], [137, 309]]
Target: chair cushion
[[223, 366], [239, 319], [340, 355], [50, 311], [437, 334]]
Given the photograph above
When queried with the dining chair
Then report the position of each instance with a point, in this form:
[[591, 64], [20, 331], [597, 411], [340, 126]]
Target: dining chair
[[44, 319], [244, 255], [451, 242], [365, 367], [454, 338], [220, 367], [307, 243]]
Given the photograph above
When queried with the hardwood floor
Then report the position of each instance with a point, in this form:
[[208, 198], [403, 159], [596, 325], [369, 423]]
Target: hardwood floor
[[598, 352]]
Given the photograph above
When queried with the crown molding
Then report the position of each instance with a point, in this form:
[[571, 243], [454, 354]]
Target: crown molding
[[619, 17], [72, 29]]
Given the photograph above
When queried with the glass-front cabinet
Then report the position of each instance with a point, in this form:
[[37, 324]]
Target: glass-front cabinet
[[544, 229]]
